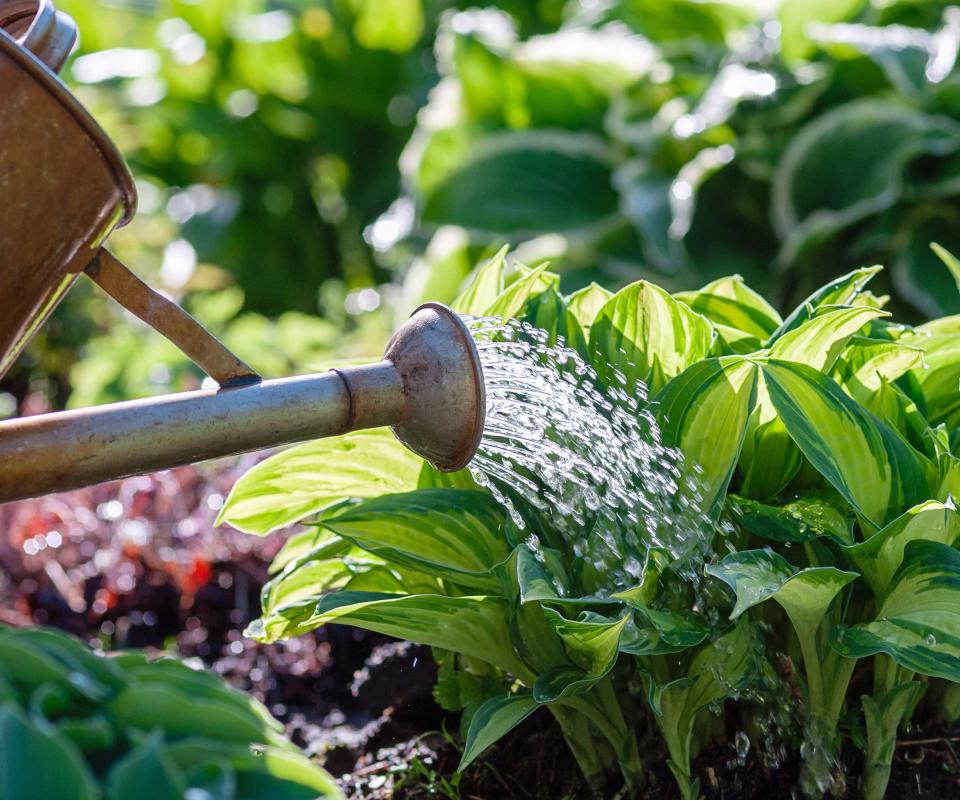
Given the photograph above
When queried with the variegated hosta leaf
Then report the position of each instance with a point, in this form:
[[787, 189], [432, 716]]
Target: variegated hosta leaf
[[586, 304], [866, 363], [892, 405], [541, 577], [939, 374], [865, 460], [918, 625], [730, 302], [513, 300], [318, 543], [298, 482], [704, 412], [493, 720], [646, 335], [883, 717], [758, 575], [473, 626], [451, 533], [770, 458], [839, 292], [719, 670], [591, 643], [484, 286], [800, 521], [654, 632]]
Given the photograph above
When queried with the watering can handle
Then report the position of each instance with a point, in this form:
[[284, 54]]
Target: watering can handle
[[169, 319], [38, 27]]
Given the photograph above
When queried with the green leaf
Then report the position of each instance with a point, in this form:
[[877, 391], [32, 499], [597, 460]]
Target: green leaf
[[525, 184], [797, 15], [730, 302], [839, 292], [585, 304], [451, 533], [394, 25], [880, 556], [512, 301], [819, 341], [802, 520], [939, 374], [883, 717], [704, 412], [647, 336], [145, 772], [260, 773], [758, 575], [493, 720], [951, 262], [866, 363], [861, 150], [298, 482], [918, 625], [36, 762], [485, 284], [473, 626], [866, 461]]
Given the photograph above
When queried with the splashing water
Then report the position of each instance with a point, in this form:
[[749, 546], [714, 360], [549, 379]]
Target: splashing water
[[589, 458]]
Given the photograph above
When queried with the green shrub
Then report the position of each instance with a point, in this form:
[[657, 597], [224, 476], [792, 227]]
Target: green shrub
[[682, 141], [77, 726], [827, 450]]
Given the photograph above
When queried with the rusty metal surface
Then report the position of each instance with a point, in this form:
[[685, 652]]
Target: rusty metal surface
[[47, 33], [429, 388], [63, 189], [165, 316], [443, 382], [70, 449]]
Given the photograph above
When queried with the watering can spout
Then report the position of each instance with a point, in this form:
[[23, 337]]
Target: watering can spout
[[428, 388]]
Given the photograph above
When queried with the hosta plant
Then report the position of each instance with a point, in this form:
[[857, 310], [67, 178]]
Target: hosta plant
[[77, 726], [824, 450]]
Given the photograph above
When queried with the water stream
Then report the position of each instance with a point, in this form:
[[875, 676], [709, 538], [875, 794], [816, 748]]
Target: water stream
[[589, 458]]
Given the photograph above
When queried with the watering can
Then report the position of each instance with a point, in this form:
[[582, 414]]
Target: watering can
[[64, 188]]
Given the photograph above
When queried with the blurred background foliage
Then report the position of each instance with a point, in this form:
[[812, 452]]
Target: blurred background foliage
[[310, 170]]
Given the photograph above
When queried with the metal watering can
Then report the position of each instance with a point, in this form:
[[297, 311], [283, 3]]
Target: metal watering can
[[64, 188]]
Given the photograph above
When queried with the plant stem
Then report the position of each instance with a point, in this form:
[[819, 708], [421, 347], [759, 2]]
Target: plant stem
[[812, 670]]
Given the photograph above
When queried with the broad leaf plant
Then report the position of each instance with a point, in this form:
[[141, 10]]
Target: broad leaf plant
[[826, 445]]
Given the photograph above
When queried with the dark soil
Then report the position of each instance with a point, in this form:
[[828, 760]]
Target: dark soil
[[138, 563]]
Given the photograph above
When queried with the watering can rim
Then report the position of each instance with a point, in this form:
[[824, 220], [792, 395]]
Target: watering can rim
[[40, 72]]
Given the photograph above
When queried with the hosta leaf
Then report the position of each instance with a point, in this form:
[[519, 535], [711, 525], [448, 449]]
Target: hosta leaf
[[861, 149], [918, 625], [939, 374], [883, 717], [298, 482], [880, 556], [512, 300], [704, 412], [586, 304], [485, 285], [730, 302], [450, 533], [799, 521], [36, 762], [862, 458], [261, 773], [770, 458], [796, 16], [866, 363], [592, 644], [819, 341], [654, 632], [839, 292], [145, 773], [493, 720], [758, 575], [543, 183], [647, 336], [473, 626]]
